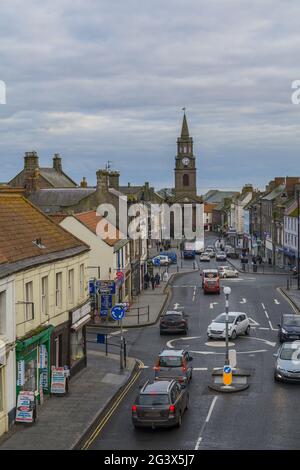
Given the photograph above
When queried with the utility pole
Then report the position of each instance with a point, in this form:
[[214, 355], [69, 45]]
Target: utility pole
[[227, 291], [298, 259]]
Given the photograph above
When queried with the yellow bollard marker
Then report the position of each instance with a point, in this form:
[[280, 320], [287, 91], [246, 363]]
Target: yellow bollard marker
[[227, 375]]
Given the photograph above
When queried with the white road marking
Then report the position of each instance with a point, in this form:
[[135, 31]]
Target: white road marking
[[266, 313], [263, 306], [271, 326], [117, 332], [170, 345], [244, 301], [253, 322], [263, 328], [194, 293], [199, 440], [211, 409], [211, 305], [270, 343], [276, 302], [200, 368]]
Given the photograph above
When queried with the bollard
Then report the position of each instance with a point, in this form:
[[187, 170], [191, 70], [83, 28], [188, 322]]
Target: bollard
[[194, 266]]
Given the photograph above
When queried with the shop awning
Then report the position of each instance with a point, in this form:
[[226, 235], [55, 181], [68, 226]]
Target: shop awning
[[80, 323]]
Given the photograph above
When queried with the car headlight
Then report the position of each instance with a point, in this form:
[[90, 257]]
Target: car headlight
[[280, 368], [283, 331]]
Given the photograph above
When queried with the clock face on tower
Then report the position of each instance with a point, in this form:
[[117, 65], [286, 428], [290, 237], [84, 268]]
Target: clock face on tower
[[185, 161]]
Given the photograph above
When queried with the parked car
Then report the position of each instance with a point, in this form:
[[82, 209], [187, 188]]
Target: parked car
[[289, 327], [211, 281], [170, 254], [173, 321], [160, 404], [174, 364], [164, 260], [221, 256], [205, 257], [287, 367], [228, 271], [238, 323]]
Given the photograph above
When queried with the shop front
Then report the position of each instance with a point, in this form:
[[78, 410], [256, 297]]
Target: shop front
[[60, 342], [79, 318], [32, 362]]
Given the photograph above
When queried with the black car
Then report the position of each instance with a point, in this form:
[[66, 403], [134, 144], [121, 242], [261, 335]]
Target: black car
[[173, 321], [160, 404], [289, 327]]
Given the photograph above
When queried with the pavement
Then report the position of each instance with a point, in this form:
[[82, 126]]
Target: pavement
[[62, 421]]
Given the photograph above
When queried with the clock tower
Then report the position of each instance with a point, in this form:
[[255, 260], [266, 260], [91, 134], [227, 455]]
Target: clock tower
[[185, 168]]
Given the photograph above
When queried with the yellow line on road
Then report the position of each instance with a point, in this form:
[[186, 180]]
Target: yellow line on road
[[287, 299], [113, 408]]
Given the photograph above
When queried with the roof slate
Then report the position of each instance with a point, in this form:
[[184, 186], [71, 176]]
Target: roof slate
[[21, 223]]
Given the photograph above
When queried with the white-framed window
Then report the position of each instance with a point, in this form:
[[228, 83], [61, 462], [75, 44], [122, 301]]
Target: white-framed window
[[81, 280], [45, 296], [29, 309], [58, 289], [3, 313], [71, 286]]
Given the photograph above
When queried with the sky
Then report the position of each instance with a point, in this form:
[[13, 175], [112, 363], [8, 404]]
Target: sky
[[99, 80]]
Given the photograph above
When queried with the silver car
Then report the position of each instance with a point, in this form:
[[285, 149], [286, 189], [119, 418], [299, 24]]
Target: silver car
[[238, 323], [228, 271], [174, 364], [287, 367]]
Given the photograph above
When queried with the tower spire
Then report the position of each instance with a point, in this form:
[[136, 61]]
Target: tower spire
[[184, 129]]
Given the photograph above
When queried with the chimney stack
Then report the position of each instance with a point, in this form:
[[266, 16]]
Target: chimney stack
[[290, 185], [102, 180], [31, 162], [57, 165], [114, 179], [83, 183]]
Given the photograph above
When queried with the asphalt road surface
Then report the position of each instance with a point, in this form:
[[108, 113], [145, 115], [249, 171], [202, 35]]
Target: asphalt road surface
[[265, 416]]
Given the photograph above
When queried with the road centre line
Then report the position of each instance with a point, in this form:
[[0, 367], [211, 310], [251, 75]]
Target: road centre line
[[211, 409], [263, 306], [199, 440], [266, 313]]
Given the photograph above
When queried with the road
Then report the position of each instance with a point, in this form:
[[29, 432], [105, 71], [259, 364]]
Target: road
[[265, 416]]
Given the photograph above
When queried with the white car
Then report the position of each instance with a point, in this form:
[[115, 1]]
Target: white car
[[228, 271], [238, 323], [210, 251], [205, 257], [164, 260], [221, 256]]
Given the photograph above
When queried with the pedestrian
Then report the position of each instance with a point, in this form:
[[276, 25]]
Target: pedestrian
[[260, 259], [146, 280], [165, 276], [157, 279], [254, 259], [152, 282]]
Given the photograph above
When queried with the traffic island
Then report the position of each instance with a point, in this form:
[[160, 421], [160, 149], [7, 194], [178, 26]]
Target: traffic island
[[239, 382]]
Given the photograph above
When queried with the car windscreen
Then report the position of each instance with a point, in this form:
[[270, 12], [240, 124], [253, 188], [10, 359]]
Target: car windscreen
[[170, 361], [290, 354], [291, 321], [211, 275], [153, 399], [172, 316], [222, 318]]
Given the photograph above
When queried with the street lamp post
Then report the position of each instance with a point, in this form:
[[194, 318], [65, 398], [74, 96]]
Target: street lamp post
[[227, 292]]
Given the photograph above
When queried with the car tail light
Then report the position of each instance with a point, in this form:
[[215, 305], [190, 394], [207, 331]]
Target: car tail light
[[133, 408], [172, 409]]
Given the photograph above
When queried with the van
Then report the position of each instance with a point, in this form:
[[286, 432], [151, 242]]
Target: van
[[211, 281]]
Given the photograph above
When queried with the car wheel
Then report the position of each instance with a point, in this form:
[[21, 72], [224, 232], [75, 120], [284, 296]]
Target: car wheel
[[179, 423], [247, 332], [224, 276], [233, 335], [237, 275]]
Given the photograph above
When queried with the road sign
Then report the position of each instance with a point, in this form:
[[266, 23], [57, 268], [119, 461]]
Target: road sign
[[103, 312], [92, 288], [118, 312], [227, 375], [156, 261], [106, 301], [101, 338]]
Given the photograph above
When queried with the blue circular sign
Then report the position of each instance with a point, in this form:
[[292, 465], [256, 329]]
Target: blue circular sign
[[118, 312], [227, 369], [156, 261]]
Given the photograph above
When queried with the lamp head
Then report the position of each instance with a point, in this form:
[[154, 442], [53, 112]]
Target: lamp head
[[227, 290]]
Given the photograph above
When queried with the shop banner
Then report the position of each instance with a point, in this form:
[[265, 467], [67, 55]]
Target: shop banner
[[25, 407], [58, 380], [43, 356]]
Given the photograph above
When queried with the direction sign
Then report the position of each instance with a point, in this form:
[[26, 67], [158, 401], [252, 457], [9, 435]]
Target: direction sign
[[118, 312], [156, 261], [103, 312], [92, 289]]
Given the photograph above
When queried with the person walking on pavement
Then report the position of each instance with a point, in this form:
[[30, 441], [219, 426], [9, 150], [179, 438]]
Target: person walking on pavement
[[146, 280], [157, 279], [153, 282]]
